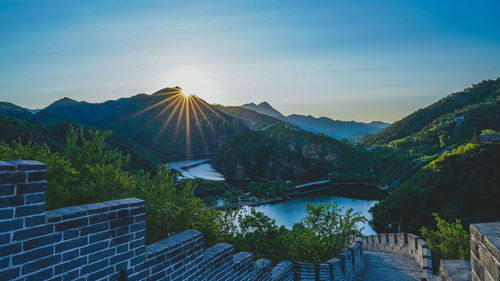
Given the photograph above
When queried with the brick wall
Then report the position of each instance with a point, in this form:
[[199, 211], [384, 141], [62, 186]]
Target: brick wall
[[406, 244], [345, 267], [485, 254], [106, 241]]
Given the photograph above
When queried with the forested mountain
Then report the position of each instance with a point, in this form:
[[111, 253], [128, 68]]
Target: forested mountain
[[166, 122], [462, 183], [283, 151], [167, 126], [456, 175], [338, 129], [53, 132], [12, 110], [251, 118], [479, 106], [264, 108]]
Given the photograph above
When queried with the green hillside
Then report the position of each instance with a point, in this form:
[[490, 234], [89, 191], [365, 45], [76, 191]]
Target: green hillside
[[252, 119], [463, 183], [283, 151], [453, 174], [12, 110], [53, 134], [432, 127], [168, 124]]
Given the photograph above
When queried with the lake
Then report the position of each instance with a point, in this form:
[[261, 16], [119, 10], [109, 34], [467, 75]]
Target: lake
[[285, 213], [291, 211]]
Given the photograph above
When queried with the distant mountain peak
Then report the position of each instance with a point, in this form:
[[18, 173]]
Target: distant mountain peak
[[168, 90], [264, 108], [64, 102]]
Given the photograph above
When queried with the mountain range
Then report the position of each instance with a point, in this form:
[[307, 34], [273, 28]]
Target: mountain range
[[167, 126], [338, 129]]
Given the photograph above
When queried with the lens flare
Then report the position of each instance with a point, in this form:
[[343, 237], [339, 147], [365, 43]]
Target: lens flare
[[186, 109]]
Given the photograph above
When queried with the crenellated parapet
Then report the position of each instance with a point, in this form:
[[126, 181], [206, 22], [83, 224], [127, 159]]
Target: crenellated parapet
[[406, 244], [106, 241]]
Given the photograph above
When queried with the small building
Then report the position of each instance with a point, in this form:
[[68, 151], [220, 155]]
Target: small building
[[489, 138]]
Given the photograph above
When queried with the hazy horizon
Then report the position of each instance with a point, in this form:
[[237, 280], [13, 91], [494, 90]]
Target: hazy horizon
[[360, 60]]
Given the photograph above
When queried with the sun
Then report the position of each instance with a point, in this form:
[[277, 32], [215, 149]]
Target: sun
[[194, 81]]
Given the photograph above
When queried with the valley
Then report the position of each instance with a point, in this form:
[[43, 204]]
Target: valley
[[252, 148]]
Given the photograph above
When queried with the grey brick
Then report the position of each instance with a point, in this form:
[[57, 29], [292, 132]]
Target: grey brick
[[12, 177], [37, 176], [72, 212], [94, 267], [70, 265], [94, 248], [10, 249], [28, 165], [11, 201], [41, 275], [5, 238], [4, 262], [65, 225], [121, 257], [6, 189], [120, 240], [24, 188], [140, 234], [42, 241], [35, 198], [35, 220], [70, 234], [122, 248], [101, 273], [10, 274], [7, 166], [138, 226], [40, 263], [72, 275], [29, 210], [99, 236], [102, 217], [32, 255], [101, 255], [122, 230], [121, 222], [32, 232], [71, 255], [71, 244], [6, 214], [94, 228]]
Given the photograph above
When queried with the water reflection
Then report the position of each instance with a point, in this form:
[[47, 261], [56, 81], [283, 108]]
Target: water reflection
[[289, 212]]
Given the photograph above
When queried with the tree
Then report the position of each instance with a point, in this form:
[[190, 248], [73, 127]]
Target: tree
[[448, 241]]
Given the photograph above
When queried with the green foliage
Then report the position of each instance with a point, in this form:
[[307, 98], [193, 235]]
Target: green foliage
[[478, 104], [461, 183], [61, 176], [170, 210], [271, 189], [324, 233], [448, 241], [488, 131], [285, 152], [85, 172]]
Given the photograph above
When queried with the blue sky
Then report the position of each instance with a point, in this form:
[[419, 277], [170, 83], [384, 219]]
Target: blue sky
[[350, 60]]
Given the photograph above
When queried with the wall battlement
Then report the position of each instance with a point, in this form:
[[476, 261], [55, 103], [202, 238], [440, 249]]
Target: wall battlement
[[106, 241], [405, 244]]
